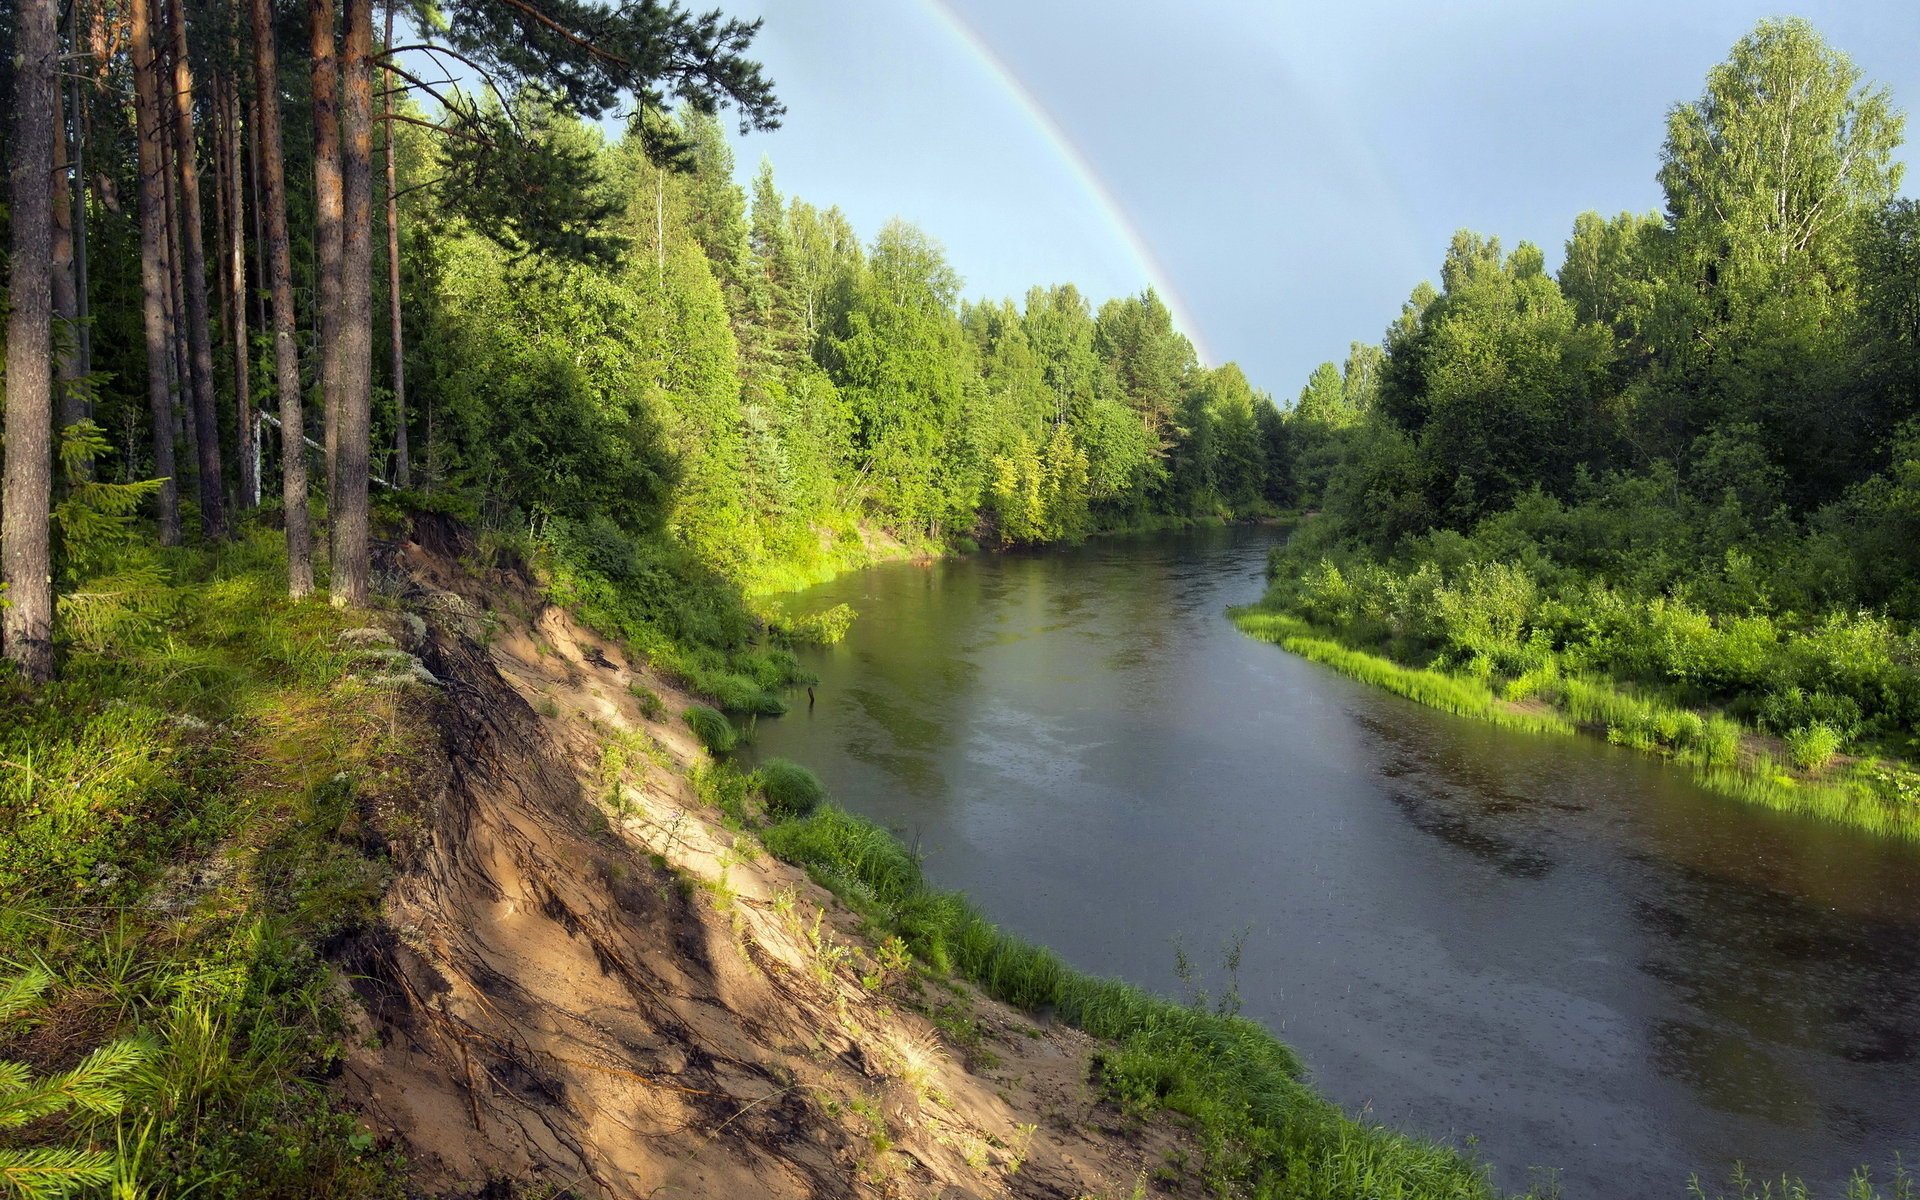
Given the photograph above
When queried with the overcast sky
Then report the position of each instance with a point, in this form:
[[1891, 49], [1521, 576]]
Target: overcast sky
[[1294, 168]]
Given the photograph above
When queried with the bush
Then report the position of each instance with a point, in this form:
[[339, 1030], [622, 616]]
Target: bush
[[1813, 746], [713, 729], [1794, 708], [789, 789]]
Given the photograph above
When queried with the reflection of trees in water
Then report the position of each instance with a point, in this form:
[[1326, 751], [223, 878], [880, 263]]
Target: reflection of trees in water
[[1786, 980], [1782, 1007]]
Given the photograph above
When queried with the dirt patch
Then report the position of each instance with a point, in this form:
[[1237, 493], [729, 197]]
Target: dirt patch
[[585, 984]]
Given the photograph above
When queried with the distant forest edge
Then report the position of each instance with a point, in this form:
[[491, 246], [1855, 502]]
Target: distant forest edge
[[1672, 493]]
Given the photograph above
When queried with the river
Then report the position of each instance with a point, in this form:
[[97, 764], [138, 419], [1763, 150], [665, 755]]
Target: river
[[1559, 952]]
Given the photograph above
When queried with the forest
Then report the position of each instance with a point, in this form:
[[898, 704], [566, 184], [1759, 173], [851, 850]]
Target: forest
[[1668, 493], [288, 283]]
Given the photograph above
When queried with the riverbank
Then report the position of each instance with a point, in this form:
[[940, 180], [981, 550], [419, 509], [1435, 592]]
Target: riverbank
[[1881, 796]]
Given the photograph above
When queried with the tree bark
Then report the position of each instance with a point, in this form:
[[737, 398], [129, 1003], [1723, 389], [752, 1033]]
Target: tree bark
[[402, 466], [213, 521], [237, 286], [351, 565], [179, 387], [82, 128], [286, 348], [256, 207], [223, 308], [153, 267], [66, 296], [26, 623], [328, 215]]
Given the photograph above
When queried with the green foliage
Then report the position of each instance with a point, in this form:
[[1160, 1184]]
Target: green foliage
[[179, 768], [790, 790], [711, 726], [1812, 747]]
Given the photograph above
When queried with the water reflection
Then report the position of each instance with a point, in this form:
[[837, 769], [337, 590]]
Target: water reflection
[[1561, 947]]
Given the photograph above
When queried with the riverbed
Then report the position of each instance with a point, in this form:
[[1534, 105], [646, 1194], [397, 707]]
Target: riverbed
[[1557, 952]]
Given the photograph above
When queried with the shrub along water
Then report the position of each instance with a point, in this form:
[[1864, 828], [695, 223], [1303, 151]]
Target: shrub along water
[[1492, 641]]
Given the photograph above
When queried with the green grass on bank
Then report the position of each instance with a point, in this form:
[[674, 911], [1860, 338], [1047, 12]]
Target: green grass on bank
[[181, 826], [1880, 797]]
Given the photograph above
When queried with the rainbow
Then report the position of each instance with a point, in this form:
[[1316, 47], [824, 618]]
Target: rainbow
[[1081, 167]]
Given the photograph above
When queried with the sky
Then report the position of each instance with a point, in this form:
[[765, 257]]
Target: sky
[[1283, 173]]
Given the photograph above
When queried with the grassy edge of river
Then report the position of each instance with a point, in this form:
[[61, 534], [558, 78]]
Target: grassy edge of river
[[1263, 1128], [1879, 796]]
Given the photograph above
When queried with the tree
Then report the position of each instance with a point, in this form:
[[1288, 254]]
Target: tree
[[286, 348], [191, 266], [1768, 177], [353, 409], [154, 288], [25, 548], [1767, 170]]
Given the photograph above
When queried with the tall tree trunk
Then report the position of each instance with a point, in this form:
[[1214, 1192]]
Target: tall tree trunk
[[351, 566], [402, 466], [185, 432], [153, 266], [213, 521], [242, 334], [286, 348], [217, 136], [66, 296], [328, 216], [82, 127], [260, 285], [26, 623]]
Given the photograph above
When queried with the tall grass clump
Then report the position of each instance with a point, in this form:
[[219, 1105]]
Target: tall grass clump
[[1461, 696], [789, 789], [1263, 1130], [1812, 747], [711, 726]]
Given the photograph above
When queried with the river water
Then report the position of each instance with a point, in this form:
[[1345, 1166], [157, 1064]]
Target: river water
[[1559, 952]]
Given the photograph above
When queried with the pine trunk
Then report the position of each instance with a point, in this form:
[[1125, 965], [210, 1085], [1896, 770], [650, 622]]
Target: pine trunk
[[286, 347], [237, 288], [328, 215], [181, 399], [213, 521], [402, 464], [351, 565], [153, 267], [26, 623], [66, 295]]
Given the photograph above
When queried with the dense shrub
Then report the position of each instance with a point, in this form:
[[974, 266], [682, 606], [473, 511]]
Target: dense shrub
[[711, 726], [789, 789]]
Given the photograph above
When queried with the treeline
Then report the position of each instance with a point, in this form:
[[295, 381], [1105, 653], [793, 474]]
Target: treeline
[[749, 374], [288, 230], [1688, 461]]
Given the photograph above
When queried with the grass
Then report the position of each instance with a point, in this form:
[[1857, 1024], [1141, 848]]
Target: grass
[[182, 820], [1878, 797], [1458, 694], [713, 729], [789, 789], [1264, 1132]]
